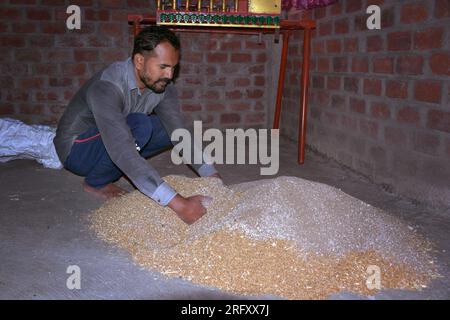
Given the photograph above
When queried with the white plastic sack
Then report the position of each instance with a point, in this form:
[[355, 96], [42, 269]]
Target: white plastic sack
[[21, 141]]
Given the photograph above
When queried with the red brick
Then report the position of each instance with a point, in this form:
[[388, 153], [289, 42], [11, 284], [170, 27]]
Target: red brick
[[111, 3], [428, 91], [396, 89], [219, 82], [318, 46], [57, 55], [360, 23], [12, 41], [230, 118], [60, 82], [217, 57], [111, 55], [39, 14], [372, 87], [96, 15], [325, 28], [254, 45], [399, 41], [323, 98], [323, 65], [319, 13], [387, 17], [241, 82], [258, 69], [440, 63], [351, 84], [380, 110], [357, 105], [49, 69], [442, 9], [341, 26], [215, 107], [81, 55], [340, 64], [255, 94], [360, 64], [54, 27], [430, 38], [191, 107], [259, 81], [439, 120], [412, 65], [73, 69], [27, 55], [334, 46], [31, 109], [235, 94], [336, 8], [240, 106], [426, 142], [351, 45], [114, 29], [26, 27], [7, 109], [192, 57], [414, 13], [383, 65], [241, 57], [395, 136], [258, 117], [10, 14], [374, 43], [353, 5], [32, 83], [333, 83], [234, 45], [261, 57], [408, 115], [211, 94]]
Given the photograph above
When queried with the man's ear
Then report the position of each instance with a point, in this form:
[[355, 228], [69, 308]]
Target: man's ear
[[138, 60]]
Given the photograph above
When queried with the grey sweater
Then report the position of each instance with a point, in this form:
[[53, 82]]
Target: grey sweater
[[105, 101]]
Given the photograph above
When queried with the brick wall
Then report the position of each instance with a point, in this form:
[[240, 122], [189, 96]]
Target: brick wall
[[379, 99], [224, 80]]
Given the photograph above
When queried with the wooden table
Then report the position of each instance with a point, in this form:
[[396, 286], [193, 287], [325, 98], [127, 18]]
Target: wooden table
[[286, 29]]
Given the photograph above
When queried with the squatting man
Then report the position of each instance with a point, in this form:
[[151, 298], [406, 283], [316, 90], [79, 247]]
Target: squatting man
[[125, 114]]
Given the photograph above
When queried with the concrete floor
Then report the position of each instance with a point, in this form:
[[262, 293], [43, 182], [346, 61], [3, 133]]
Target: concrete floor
[[43, 230]]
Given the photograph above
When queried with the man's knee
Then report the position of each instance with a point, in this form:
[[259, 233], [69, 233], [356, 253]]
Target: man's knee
[[141, 127]]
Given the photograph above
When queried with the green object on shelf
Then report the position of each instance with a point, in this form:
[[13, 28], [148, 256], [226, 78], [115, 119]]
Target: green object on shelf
[[186, 18], [216, 19], [178, 17], [232, 19], [276, 20], [240, 19], [261, 20], [171, 17], [269, 20], [202, 18], [253, 20], [208, 18]]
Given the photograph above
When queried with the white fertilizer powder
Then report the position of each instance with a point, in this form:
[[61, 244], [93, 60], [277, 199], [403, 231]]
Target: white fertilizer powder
[[285, 236]]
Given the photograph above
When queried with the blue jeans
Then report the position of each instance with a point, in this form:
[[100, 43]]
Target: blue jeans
[[88, 157]]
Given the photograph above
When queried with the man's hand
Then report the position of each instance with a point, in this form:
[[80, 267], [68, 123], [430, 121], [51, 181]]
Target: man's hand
[[189, 209]]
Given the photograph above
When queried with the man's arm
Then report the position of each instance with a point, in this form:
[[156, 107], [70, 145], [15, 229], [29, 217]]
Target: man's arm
[[169, 111], [106, 103]]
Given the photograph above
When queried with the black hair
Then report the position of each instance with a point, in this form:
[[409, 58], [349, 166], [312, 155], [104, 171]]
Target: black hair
[[151, 36]]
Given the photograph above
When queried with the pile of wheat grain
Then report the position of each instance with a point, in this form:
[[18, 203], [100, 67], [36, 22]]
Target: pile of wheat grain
[[285, 236]]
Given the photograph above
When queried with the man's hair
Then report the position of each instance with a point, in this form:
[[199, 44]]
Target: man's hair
[[150, 37]]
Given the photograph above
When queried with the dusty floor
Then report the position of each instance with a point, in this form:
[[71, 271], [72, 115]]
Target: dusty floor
[[43, 230]]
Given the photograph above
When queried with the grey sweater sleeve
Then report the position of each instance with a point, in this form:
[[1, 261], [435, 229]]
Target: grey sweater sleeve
[[169, 111], [106, 102]]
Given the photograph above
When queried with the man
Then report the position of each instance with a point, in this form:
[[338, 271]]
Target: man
[[107, 129]]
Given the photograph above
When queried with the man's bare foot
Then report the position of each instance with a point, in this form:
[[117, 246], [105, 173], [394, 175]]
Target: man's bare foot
[[106, 192]]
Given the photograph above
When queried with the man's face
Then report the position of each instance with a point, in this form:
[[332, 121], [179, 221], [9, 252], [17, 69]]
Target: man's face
[[156, 70]]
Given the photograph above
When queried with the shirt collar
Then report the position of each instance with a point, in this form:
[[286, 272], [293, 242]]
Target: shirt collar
[[131, 77]]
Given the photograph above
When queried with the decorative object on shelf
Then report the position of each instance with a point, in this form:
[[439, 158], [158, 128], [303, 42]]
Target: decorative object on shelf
[[220, 13]]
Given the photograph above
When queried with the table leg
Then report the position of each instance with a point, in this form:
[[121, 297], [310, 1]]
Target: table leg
[[282, 75], [304, 96]]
